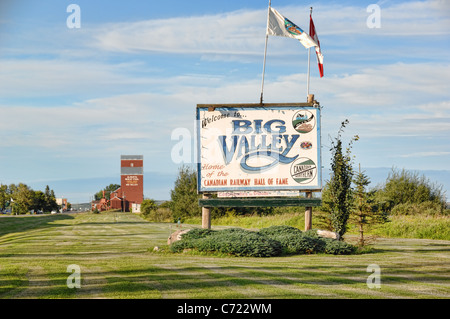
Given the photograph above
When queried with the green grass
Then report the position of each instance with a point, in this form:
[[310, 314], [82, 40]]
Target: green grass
[[114, 252], [416, 226], [254, 221], [400, 226]]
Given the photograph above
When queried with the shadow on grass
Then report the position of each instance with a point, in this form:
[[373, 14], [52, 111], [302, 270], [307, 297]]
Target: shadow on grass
[[15, 224], [211, 282], [114, 222]]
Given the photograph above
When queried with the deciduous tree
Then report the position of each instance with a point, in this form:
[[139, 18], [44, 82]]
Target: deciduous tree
[[338, 199], [108, 190], [184, 195]]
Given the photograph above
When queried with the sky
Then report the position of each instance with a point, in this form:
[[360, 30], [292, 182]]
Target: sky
[[73, 99]]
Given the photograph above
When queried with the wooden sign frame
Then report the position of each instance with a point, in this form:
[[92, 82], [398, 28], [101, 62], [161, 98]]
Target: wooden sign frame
[[206, 202]]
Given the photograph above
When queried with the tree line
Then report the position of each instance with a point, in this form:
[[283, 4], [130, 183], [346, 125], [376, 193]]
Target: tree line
[[346, 196], [106, 191], [21, 199]]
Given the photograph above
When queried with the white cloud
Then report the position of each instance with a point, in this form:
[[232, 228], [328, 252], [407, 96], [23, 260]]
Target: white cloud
[[231, 33], [399, 87], [425, 154], [102, 107], [242, 32], [385, 100], [56, 77]]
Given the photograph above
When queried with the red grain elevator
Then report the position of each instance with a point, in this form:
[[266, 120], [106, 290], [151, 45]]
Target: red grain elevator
[[132, 179]]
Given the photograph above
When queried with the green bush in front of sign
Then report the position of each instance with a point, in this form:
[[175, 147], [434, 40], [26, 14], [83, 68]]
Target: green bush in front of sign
[[268, 242], [233, 241], [337, 247]]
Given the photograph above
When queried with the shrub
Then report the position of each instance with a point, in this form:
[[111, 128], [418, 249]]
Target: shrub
[[147, 206], [337, 247], [241, 242], [159, 215], [403, 187], [197, 233], [271, 241], [279, 230], [311, 233], [293, 240], [300, 244], [247, 244], [424, 208], [233, 241], [181, 245]]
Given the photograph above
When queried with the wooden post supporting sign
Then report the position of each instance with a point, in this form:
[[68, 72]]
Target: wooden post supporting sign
[[206, 214], [308, 209], [308, 213]]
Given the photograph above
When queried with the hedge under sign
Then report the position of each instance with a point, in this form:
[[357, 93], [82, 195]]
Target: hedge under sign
[[258, 148]]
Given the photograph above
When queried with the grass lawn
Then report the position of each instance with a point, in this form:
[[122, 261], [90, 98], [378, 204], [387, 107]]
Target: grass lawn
[[114, 253]]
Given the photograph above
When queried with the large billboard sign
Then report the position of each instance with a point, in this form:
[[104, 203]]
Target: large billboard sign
[[274, 147]]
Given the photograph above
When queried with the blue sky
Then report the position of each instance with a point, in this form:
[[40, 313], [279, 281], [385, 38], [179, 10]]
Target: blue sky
[[73, 100]]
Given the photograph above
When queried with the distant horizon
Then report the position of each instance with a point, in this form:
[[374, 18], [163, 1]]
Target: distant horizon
[[83, 84], [158, 187]]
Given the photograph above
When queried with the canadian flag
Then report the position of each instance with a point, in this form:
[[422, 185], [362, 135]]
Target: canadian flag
[[313, 35]]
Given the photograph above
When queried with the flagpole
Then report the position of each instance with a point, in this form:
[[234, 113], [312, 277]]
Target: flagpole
[[265, 53], [309, 56]]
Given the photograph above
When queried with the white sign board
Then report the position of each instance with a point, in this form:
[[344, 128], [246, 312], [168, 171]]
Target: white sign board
[[258, 148], [260, 193]]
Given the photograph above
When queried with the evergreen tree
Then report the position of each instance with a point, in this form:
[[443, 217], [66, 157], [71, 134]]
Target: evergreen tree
[[50, 200], [38, 201], [4, 196], [363, 212]]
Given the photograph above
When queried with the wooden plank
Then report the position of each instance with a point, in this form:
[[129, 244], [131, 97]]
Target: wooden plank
[[213, 106], [260, 202]]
